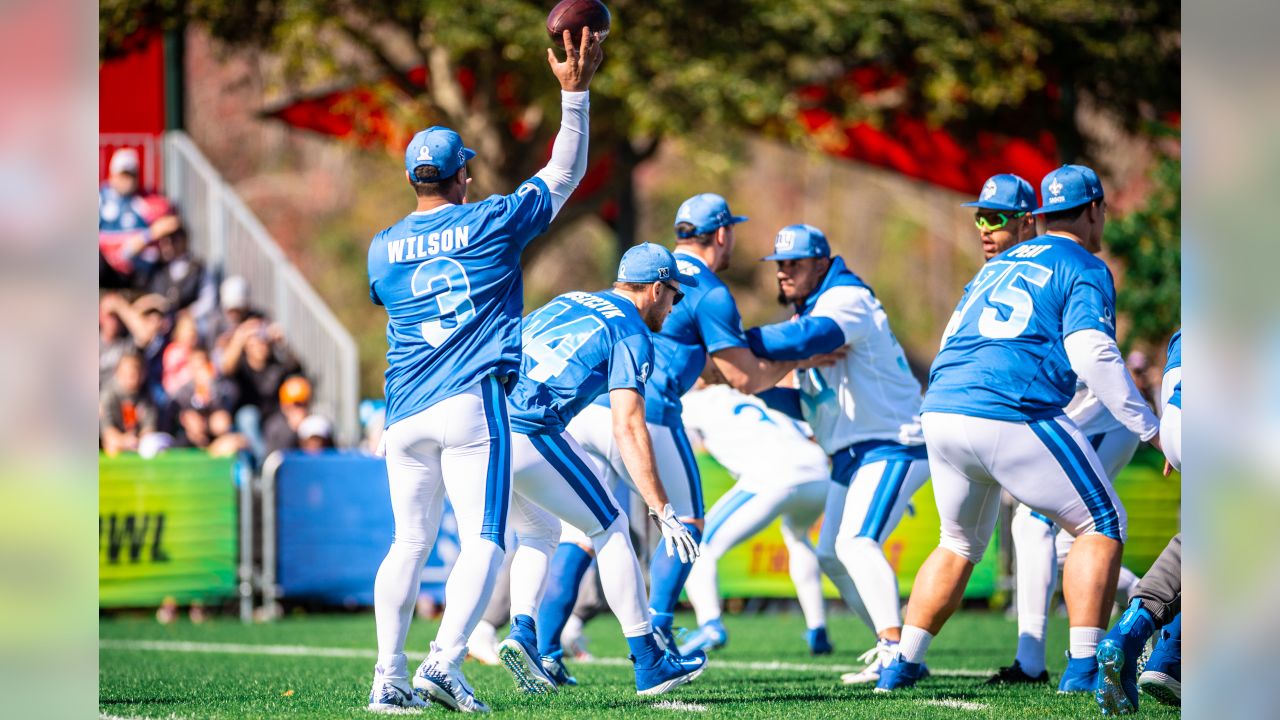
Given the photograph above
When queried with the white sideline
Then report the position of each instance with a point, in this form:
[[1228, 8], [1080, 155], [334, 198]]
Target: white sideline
[[297, 650], [680, 706], [955, 704]]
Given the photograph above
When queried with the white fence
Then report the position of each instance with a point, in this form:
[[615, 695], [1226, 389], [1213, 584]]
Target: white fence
[[227, 236]]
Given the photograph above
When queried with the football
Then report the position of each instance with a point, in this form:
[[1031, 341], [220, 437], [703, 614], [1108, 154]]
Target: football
[[573, 15]]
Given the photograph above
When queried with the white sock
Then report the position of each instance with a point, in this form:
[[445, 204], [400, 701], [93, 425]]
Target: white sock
[[1084, 641], [703, 587], [875, 580], [1031, 644], [620, 576], [529, 569], [806, 576], [393, 667], [1037, 571], [914, 643]]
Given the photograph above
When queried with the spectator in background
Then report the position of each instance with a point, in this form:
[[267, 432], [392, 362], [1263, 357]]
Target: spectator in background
[[114, 339], [125, 413], [203, 406], [175, 371], [128, 221], [233, 300], [257, 361], [176, 276], [281, 429], [1139, 368], [128, 328], [315, 434], [373, 416]]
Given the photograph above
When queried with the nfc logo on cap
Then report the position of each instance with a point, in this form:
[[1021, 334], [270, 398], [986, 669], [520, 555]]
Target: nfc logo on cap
[[989, 190], [786, 240]]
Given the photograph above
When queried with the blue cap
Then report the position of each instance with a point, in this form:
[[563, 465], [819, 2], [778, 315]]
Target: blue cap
[[1005, 192], [646, 263], [799, 241], [706, 212], [1068, 187], [439, 147]]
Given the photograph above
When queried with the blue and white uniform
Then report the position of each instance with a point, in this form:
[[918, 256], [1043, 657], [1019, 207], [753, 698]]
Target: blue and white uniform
[[779, 471], [864, 413], [705, 322], [1171, 401]]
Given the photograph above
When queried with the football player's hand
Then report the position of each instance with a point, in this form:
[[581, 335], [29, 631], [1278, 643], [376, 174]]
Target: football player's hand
[[679, 540], [580, 63]]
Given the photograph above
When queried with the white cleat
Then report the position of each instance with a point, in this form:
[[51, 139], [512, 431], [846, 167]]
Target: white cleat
[[391, 696], [526, 668], [440, 679], [876, 658], [483, 644]]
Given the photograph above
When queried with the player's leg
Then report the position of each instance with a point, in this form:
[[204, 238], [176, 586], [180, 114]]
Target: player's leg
[[1051, 467], [417, 501], [476, 466], [801, 510], [482, 645], [1036, 568], [1115, 449], [679, 472], [537, 533], [968, 501], [833, 513]]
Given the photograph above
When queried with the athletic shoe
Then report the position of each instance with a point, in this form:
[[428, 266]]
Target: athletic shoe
[[670, 672], [876, 658], [1081, 675], [1015, 675], [666, 639], [440, 678], [520, 656], [389, 695], [899, 674], [1116, 694], [711, 636], [483, 644], [1162, 676], [818, 642], [553, 666]]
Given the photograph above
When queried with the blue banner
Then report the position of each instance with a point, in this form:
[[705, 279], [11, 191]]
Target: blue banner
[[334, 526]]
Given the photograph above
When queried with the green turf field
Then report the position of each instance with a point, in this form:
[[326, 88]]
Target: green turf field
[[319, 666]]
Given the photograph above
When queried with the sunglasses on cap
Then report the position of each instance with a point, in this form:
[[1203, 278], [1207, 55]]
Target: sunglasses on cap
[[679, 293], [985, 224]]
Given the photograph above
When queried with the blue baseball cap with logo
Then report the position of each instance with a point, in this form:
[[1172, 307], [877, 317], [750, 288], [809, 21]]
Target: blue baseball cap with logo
[[1069, 186], [1005, 192], [706, 212], [439, 147], [647, 262], [795, 242]]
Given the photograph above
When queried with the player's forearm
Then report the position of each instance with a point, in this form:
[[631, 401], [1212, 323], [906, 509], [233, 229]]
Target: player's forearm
[[1096, 359], [796, 339], [636, 448], [569, 152], [749, 374]]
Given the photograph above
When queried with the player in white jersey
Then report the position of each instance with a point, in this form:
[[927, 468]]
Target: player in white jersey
[[779, 472], [864, 413], [449, 277], [1003, 218]]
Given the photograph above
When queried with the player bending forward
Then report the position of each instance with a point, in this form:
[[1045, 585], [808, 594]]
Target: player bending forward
[[576, 347], [1036, 318], [449, 277], [864, 413], [779, 472]]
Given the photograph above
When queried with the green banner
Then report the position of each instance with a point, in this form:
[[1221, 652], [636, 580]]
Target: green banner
[[166, 528], [758, 567]]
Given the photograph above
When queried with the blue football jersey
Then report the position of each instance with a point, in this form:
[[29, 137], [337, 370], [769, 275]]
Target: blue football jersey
[[1002, 357], [451, 283], [706, 321], [1174, 362], [576, 347]]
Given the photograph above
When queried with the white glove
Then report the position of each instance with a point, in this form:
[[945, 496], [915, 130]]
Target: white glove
[[679, 539]]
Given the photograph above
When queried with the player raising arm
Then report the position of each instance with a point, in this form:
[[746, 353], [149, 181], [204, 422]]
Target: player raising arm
[[449, 277]]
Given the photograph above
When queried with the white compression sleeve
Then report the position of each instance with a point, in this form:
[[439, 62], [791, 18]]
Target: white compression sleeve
[[569, 153], [1096, 359]]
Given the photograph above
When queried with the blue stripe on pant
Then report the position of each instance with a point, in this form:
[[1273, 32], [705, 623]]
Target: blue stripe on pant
[[497, 493], [723, 510], [580, 478], [885, 497], [1083, 478], [690, 469]]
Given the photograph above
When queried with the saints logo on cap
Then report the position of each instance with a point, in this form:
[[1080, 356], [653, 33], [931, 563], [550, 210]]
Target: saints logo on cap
[[989, 190], [1055, 187]]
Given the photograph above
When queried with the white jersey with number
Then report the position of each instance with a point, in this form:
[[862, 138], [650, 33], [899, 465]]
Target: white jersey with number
[[761, 448]]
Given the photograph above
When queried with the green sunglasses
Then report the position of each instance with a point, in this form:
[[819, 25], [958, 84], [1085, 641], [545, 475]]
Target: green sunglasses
[[986, 225]]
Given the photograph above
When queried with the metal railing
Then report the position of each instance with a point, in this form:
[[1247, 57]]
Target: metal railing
[[227, 236]]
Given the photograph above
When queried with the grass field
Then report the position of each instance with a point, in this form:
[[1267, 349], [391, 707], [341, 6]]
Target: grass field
[[319, 666]]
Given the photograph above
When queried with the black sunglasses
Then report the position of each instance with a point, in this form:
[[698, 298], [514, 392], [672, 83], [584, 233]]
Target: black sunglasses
[[676, 290]]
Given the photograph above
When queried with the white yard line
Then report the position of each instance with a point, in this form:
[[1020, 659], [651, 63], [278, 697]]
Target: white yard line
[[308, 650], [679, 706], [955, 704]]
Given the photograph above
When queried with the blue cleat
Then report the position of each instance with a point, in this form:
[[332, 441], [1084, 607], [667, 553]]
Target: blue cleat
[[519, 653], [1081, 675], [1162, 677], [900, 675], [818, 642], [553, 665], [666, 638], [711, 636], [669, 672], [1116, 694]]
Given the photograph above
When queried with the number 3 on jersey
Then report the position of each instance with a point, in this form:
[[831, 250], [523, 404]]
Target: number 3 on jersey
[[443, 280], [550, 345], [998, 283]]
